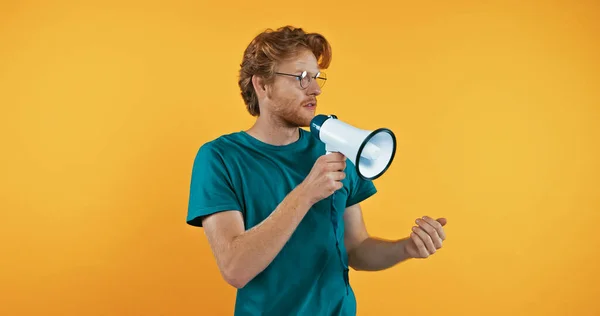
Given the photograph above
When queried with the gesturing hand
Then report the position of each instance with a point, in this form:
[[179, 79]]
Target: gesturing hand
[[425, 238]]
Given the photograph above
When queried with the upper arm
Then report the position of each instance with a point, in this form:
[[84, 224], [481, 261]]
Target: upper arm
[[212, 188], [355, 229], [220, 230], [213, 202]]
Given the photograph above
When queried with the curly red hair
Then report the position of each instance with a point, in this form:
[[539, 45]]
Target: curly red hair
[[272, 46]]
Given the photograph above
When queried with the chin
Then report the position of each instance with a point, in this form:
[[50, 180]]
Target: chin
[[305, 121], [307, 118], [301, 119]]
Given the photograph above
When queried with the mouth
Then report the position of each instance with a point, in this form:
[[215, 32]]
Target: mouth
[[310, 105]]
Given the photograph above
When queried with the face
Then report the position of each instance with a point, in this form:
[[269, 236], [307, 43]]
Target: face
[[285, 100]]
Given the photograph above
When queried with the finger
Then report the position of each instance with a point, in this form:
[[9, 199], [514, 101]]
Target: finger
[[334, 166], [437, 226], [442, 221], [422, 250], [425, 238], [431, 231], [337, 176], [334, 156]]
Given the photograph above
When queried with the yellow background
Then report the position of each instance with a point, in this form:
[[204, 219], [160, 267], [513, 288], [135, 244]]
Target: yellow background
[[496, 107]]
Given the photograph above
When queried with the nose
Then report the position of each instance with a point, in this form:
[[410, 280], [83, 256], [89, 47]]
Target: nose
[[313, 88]]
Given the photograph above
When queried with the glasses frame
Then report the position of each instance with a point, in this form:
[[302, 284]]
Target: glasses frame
[[304, 75]]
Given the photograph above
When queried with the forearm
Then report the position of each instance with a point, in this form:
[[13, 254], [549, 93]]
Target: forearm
[[252, 251], [375, 254]]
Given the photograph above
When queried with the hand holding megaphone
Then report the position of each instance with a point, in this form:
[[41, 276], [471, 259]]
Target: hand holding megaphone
[[372, 152], [325, 177]]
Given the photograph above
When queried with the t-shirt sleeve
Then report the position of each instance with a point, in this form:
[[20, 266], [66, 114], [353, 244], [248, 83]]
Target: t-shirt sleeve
[[360, 189], [211, 188]]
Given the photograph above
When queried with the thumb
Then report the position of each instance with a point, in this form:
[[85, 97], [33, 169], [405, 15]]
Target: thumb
[[442, 221]]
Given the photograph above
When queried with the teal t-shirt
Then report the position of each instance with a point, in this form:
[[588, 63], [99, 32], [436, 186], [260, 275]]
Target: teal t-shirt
[[309, 276]]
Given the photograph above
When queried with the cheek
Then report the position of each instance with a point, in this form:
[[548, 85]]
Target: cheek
[[287, 100]]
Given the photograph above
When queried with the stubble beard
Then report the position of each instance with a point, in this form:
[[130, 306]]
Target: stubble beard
[[289, 113]]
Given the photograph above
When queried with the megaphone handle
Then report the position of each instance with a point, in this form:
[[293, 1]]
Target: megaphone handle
[[328, 149]]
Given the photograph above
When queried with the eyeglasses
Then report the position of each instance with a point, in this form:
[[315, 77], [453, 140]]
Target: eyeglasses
[[305, 79]]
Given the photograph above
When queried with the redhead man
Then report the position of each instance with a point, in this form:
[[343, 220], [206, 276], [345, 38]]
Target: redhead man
[[262, 195]]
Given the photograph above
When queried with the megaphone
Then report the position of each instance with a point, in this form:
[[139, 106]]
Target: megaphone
[[371, 152]]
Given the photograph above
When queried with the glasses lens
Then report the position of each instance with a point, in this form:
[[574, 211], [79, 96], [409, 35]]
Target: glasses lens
[[321, 79], [305, 80]]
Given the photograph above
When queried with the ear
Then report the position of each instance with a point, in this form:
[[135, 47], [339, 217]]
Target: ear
[[259, 86]]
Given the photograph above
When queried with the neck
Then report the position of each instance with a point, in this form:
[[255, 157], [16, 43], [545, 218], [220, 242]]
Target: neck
[[274, 132]]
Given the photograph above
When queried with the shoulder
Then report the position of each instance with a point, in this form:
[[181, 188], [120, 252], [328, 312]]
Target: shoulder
[[218, 146]]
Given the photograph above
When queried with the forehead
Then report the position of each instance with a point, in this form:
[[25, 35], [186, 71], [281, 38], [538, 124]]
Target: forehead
[[303, 60]]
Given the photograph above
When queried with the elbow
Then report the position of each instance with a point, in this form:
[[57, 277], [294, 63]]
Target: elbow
[[355, 263], [235, 276], [352, 264], [352, 260], [237, 282]]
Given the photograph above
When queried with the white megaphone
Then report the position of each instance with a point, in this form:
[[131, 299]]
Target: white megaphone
[[372, 152]]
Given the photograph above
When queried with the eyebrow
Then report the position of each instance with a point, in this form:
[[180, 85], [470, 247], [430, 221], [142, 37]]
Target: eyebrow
[[309, 71]]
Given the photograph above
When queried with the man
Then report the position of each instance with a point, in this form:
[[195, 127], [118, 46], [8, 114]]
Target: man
[[263, 195]]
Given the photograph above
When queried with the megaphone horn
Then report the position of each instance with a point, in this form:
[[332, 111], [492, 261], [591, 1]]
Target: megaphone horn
[[371, 152]]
